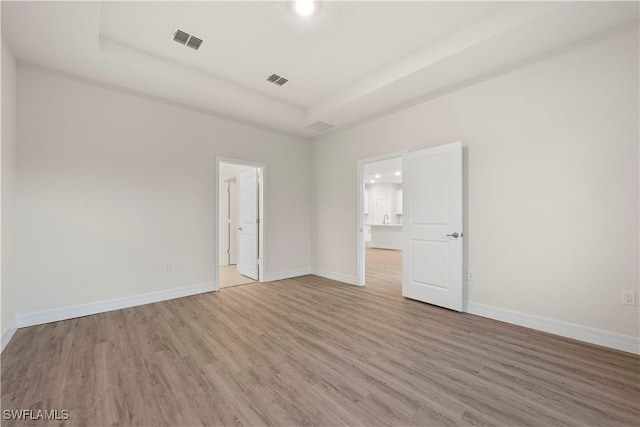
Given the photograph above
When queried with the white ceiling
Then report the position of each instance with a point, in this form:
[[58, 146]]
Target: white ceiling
[[247, 41], [349, 62]]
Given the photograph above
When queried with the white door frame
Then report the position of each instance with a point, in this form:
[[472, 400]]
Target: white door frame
[[360, 258], [262, 232]]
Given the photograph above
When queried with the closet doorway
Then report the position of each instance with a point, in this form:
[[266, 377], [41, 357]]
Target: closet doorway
[[241, 223]]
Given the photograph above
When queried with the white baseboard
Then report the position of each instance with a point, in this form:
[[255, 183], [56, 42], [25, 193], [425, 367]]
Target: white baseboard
[[272, 277], [8, 333], [70, 312], [351, 280], [558, 327]]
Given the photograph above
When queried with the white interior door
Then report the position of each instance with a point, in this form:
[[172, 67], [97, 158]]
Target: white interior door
[[432, 268], [247, 248], [232, 221]]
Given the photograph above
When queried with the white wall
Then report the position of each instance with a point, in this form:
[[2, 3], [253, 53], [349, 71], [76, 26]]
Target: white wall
[[7, 206], [112, 186], [551, 163]]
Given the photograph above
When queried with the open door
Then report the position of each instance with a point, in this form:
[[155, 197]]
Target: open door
[[232, 219], [247, 249], [432, 268]]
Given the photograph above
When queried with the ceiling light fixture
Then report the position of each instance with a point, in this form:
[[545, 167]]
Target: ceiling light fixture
[[304, 7], [398, 173], [377, 176], [373, 181]]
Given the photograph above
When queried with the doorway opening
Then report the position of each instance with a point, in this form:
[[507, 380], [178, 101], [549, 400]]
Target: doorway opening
[[380, 213], [241, 222], [431, 234]]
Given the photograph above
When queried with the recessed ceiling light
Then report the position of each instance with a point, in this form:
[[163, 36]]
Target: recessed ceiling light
[[304, 7], [377, 176], [373, 181], [398, 173]]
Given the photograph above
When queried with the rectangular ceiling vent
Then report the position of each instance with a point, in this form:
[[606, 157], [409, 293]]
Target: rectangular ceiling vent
[[319, 126], [277, 80], [194, 42], [187, 39]]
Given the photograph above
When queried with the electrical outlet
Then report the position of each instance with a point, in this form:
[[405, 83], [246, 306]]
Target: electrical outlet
[[170, 268], [469, 275], [628, 297]]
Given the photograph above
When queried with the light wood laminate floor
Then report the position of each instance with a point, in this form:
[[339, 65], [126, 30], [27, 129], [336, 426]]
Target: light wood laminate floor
[[311, 351]]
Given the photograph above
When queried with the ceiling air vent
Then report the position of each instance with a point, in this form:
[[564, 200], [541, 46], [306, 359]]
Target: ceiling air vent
[[194, 42], [276, 79], [187, 39], [181, 37], [319, 126]]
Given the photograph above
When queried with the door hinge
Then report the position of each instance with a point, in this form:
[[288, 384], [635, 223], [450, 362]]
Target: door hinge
[[257, 220]]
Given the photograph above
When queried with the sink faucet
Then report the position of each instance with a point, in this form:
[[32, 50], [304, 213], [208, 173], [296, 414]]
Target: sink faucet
[[385, 219]]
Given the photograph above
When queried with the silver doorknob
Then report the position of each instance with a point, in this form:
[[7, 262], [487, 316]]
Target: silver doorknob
[[239, 228], [455, 235]]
